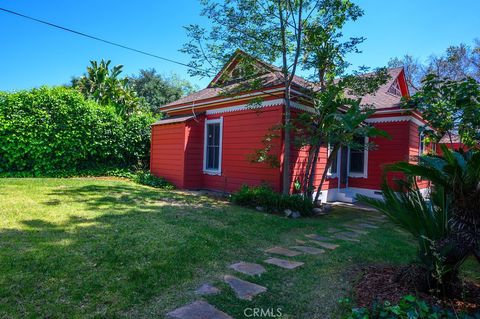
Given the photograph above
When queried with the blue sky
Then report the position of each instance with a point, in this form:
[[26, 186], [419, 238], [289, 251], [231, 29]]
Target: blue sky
[[32, 55]]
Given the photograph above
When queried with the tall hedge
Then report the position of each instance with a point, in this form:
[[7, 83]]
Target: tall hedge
[[52, 129]]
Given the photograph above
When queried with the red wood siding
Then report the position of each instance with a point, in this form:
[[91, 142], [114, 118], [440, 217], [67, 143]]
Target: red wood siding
[[193, 170], [243, 132], [167, 152], [387, 151]]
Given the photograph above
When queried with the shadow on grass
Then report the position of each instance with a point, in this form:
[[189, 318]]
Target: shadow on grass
[[125, 245]]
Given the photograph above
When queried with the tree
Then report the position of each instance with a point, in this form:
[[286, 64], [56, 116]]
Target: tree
[[449, 107], [457, 63], [157, 90], [104, 85], [301, 34], [268, 29], [447, 225]]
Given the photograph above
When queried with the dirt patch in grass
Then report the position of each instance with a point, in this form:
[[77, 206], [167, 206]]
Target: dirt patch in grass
[[379, 283]]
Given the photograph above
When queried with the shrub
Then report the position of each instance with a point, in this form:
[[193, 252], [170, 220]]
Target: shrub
[[408, 307], [145, 178], [50, 130], [271, 201]]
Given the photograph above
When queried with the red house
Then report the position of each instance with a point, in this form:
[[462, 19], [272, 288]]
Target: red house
[[207, 139]]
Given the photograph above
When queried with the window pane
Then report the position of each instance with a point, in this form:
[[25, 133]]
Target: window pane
[[333, 167], [213, 147], [356, 161]]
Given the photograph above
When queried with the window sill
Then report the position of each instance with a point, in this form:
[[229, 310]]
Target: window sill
[[212, 173], [332, 176], [353, 175]]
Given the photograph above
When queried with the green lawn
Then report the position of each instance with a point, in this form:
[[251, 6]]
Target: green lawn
[[111, 248]]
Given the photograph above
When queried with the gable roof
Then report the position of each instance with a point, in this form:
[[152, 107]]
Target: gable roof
[[382, 99]]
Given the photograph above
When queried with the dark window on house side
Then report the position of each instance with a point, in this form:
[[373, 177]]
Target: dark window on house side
[[357, 157], [213, 147]]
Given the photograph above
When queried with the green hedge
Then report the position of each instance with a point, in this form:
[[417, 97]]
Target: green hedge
[[271, 201], [49, 130]]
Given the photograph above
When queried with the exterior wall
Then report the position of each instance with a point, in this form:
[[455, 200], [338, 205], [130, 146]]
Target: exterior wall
[[194, 131], [243, 132], [414, 148], [387, 151], [167, 152]]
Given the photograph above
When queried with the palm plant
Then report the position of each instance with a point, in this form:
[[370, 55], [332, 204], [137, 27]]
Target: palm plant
[[447, 223]]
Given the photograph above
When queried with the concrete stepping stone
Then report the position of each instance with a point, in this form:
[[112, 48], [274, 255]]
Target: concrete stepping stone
[[366, 225], [347, 238], [243, 289], [198, 310], [248, 268], [283, 251], [332, 230], [309, 250], [325, 245], [207, 289], [318, 237], [287, 264], [301, 242], [358, 231]]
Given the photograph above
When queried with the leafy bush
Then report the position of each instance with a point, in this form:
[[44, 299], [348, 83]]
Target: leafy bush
[[409, 307], [271, 201], [145, 178], [49, 130]]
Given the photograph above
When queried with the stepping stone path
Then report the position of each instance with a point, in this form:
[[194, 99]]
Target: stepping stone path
[[309, 250], [287, 264], [198, 310], [248, 268], [318, 237], [207, 289], [325, 245], [243, 289], [247, 290], [283, 251]]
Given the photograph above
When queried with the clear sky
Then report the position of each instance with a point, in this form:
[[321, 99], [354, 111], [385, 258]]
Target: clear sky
[[32, 55]]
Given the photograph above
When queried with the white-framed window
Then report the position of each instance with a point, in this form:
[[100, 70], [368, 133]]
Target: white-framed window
[[395, 88], [358, 159], [334, 167], [421, 144], [212, 156]]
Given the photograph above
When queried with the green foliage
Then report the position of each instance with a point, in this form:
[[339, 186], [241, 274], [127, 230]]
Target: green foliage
[[48, 130], [271, 201], [157, 90], [409, 307], [104, 86], [450, 107], [446, 225], [145, 178]]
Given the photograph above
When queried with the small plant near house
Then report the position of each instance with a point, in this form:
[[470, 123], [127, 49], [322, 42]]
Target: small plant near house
[[145, 178], [270, 201], [409, 307]]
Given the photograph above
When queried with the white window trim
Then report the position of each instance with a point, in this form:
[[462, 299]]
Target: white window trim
[[420, 139], [339, 158], [365, 163], [205, 140]]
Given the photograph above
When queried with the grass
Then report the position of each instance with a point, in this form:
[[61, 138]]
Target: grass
[[111, 248]]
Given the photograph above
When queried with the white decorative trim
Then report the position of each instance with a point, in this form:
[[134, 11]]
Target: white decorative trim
[[205, 140], [392, 111], [245, 107], [395, 119]]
